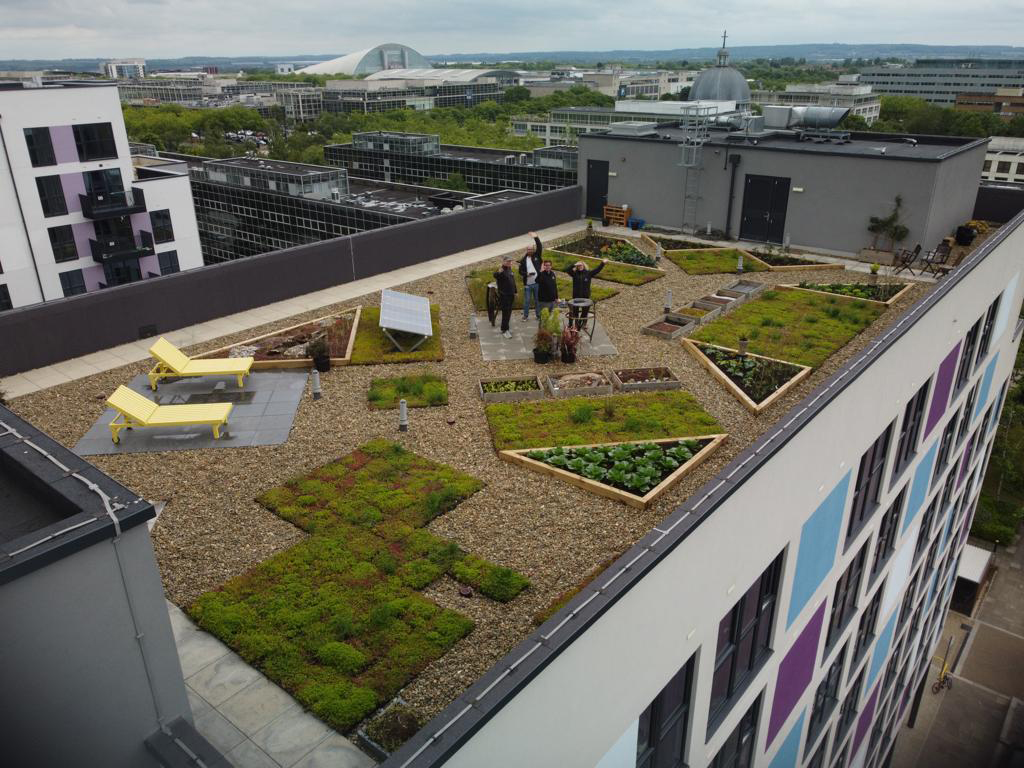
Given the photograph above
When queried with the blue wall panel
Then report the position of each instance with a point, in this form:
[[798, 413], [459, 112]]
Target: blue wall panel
[[919, 489]]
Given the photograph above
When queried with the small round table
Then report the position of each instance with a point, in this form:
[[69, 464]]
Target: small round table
[[585, 324]]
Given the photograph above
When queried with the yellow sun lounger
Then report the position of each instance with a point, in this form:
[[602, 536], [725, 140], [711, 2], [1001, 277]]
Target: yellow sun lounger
[[135, 410], [174, 363]]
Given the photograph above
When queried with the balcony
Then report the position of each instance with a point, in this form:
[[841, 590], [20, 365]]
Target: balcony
[[107, 205], [122, 248]]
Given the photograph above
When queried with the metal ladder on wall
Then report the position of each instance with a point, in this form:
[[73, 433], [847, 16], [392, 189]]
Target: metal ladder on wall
[[695, 133]]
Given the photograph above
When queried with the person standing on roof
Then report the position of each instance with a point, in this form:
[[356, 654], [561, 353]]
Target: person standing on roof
[[529, 268], [505, 279], [581, 277]]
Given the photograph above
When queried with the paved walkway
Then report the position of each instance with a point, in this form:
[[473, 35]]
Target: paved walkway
[[494, 346], [252, 721], [132, 352]]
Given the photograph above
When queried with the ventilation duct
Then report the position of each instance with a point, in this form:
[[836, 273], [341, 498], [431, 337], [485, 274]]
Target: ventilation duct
[[820, 118]]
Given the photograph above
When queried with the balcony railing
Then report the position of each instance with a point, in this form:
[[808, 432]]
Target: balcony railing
[[122, 248], [106, 205]]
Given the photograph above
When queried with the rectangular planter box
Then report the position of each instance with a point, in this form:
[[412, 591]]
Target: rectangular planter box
[[644, 386], [887, 303], [664, 329], [512, 397], [602, 389], [710, 314], [745, 289], [714, 300]]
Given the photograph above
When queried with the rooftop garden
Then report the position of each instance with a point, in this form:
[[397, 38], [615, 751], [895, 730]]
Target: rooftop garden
[[420, 391], [338, 620], [611, 248], [613, 272], [713, 261], [478, 279], [869, 291], [372, 347], [794, 326]]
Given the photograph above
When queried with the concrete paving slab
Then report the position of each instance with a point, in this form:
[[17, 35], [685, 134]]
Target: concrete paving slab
[[966, 727], [994, 661], [494, 346], [1004, 603], [291, 736], [218, 731], [256, 705], [197, 649], [336, 752], [219, 681], [248, 755]]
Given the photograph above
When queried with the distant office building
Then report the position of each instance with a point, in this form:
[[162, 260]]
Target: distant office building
[[284, 69], [566, 124], [1008, 103], [76, 215], [847, 93], [247, 206], [418, 89], [301, 104], [370, 60], [413, 158], [84, 614], [1004, 160], [185, 91], [938, 81], [652, 85], [124, 68]]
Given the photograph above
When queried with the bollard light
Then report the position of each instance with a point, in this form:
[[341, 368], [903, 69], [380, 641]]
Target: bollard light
[[668, 300], [709, 229], [658, 252], [317, 391], [739, 262], [403, 416], [472, 327]]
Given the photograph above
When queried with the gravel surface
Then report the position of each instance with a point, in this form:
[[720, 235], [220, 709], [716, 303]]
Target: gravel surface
[[212, 530]]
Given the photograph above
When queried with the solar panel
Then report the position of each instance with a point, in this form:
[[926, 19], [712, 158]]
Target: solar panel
[[405, 312]]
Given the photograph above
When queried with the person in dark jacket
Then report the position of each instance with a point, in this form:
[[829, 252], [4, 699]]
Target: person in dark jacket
[[529, 268], [547, 287], [581, 277], [505, 279]]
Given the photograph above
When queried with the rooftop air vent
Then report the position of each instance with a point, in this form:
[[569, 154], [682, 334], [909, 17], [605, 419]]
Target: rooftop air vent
[[633, 128]]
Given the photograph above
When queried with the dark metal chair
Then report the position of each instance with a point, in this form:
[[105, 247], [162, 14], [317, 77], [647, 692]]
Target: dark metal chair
[[904, 259], [936, 261]]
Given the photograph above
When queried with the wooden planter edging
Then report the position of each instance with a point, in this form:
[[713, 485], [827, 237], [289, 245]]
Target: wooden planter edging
[[819, 266], [554, 249], [887, 303], [600, 389], [601, 489], [512, 397], [707, 317], [643, 386], [679, 328], [694, 348], [298, 362]]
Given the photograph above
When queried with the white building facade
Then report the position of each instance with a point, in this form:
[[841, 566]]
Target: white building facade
[[785, 615], [1004, 159], [119, 68], [858, 98], [75, 216]]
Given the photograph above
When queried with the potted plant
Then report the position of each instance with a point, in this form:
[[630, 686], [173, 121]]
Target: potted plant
[[965, 234], [318, 351], [570, 341], [543, 344]]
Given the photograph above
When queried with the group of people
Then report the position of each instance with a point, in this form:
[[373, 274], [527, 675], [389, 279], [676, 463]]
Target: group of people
[[540, 285]]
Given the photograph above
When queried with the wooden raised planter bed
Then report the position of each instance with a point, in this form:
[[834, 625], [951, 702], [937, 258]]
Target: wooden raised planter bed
[[671, 327], [294, 362], [514, 396], [887, 303], [816, 266], [711, 443], [623, 379], [695, 348], [560, 392], [742, 290], [677, 315]]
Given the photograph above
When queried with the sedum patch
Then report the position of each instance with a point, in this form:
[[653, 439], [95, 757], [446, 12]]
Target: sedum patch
[[338, 620]]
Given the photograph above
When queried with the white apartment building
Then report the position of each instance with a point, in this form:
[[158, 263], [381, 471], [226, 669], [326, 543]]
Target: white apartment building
[[119, 68], [75, 215], [1004, 160]]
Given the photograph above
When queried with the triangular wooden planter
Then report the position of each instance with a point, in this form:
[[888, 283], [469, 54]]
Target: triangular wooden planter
[[694, 348], [887, 303], [601, 489]]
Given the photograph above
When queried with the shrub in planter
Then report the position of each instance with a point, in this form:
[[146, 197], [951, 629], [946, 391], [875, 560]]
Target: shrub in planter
[[320, 354], [569, 342], [543, 344]]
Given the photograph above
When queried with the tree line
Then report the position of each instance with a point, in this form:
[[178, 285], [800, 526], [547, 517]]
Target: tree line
[[906, 114]]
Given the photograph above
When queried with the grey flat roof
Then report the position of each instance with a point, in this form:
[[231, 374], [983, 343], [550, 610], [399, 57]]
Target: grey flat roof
[[52, 502], [278, 166], [901, 146], [365, 194]]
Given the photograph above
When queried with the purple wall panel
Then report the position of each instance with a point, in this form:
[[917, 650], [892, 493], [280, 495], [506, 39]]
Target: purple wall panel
[[795, 672], [149, 264], [63, 139], [967, 460], [943, 383], [73, 185], [93, 277], [84, 231], [866, 716], [141, 221]]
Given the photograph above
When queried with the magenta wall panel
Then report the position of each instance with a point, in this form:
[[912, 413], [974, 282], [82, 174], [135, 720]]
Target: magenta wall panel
[[73, 185], [63, 139], [943, 383], [866, 716], [795, 672]]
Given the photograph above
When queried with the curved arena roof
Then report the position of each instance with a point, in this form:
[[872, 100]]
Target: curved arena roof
[[448, 75], [370, 60]]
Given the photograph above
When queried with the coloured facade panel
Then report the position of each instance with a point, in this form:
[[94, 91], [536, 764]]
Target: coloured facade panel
[[789, 751], [919, 488], [819, 538], [943, 384], [1006, 307], [795, 672], [881, 652], [867, 715], [986, 386]]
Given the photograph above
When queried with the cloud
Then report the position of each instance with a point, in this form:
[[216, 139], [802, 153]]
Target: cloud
[[161, 28]]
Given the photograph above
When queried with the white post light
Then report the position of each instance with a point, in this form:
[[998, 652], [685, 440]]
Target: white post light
[[317, 391], [668, 300], [403, 416], [472, 327]]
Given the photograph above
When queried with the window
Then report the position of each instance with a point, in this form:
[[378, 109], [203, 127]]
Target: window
[[869, 481], [945, 446], [95, 141], [844, 603], [168, 262], [927, 523], [825, 698], [51, 195], [967, 356], [661, 739], [743, 639], [986, 329], [5, 299], [866, 626], [72, 282], [162, 230], [848, 712], [40, 147], [103, 182], [949, 489], [62, 240], [987, 166], [965, 418], [887, 531], [840, 761], [738, 750], [1003, 166], [818, 761], [910, 429], [908, 600]]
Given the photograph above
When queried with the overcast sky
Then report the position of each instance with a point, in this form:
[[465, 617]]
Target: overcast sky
[[170, 28]]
